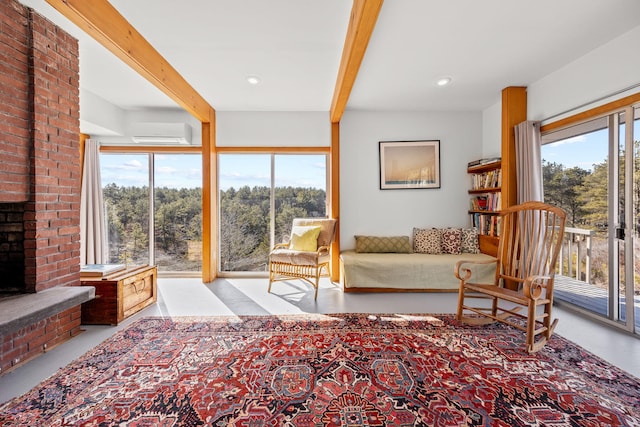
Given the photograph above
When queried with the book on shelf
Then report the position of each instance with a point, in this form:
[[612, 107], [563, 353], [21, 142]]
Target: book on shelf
[[487, 225], [489, 179], [494, 201], [100, 270], [484, 161], [491, 202], [479, 203]]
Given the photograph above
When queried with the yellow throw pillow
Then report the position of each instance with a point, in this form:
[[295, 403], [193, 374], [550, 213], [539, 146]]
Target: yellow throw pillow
[[304, 238]]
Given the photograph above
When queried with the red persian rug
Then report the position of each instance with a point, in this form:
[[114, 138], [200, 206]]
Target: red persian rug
[[329, 370]]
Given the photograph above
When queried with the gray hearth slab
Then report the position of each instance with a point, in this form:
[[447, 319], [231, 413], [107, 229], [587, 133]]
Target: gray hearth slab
[[23, 310]]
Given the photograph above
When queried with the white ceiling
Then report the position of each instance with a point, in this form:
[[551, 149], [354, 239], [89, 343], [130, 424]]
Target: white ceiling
[[295, 47]]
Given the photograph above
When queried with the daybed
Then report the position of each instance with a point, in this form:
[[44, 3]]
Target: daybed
[[411, 272], [393, 264]]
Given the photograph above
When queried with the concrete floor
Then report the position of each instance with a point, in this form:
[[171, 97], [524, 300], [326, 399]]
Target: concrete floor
[[189, 297]]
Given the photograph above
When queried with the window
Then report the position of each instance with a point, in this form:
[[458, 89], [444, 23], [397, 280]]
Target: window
[[178, 212], [125, 187], [162, 226], [260, 194]]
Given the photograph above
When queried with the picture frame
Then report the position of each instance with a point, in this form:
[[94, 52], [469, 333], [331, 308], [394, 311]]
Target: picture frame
[[409, 164]]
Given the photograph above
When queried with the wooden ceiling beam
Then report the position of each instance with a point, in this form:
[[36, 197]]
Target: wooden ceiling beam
[[364, 15], [100, 20]]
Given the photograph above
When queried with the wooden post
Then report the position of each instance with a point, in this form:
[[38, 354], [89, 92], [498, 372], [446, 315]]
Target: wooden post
[[209, 200], [514, 111], [335, 199]]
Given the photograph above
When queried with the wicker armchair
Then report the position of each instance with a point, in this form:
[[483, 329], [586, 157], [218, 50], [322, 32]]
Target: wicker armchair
[[287, 262], [530, 242]]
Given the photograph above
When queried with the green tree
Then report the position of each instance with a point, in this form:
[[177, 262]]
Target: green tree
[[562, 188], [244, 222], [245, 239], [594, 196]]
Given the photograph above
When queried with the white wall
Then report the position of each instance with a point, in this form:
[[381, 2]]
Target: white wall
[[603, 71], [365, 209], [272, 129], [100, 117], [492, 131], [233, 128], [580, 85]]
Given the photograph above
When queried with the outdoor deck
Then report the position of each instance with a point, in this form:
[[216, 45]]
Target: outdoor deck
[[589, 297]]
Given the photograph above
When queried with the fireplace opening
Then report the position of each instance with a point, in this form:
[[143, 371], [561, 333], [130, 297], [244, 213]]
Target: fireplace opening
[[12, 254]]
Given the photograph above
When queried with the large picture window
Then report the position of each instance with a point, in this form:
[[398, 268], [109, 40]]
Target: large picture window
[[260, 194], [125, 187], [153, 204]]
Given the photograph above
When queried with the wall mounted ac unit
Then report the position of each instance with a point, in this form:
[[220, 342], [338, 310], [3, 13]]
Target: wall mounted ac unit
[[162, 133]]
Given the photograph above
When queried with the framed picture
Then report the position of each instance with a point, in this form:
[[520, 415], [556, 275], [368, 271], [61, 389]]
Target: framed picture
[[409, 164]]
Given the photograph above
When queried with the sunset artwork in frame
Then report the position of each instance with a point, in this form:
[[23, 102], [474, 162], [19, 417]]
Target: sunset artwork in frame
[[409, 164]]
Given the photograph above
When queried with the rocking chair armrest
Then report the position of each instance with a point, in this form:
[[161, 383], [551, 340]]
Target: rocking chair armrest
[[464, 273], [533, 285]]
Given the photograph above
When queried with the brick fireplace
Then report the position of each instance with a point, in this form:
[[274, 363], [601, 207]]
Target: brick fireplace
[[39, 179], [12, 249]]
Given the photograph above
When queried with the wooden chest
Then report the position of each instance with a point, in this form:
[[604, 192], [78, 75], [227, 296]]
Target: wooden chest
[[119, 295]]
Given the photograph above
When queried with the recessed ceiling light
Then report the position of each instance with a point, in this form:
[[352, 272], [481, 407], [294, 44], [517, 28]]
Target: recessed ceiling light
[[253, 80], [444, 81]]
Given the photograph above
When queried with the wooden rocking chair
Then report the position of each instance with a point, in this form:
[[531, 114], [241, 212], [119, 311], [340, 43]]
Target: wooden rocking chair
[[530, 242], [296, 259]]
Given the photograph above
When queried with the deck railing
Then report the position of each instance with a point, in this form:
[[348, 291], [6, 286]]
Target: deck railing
[[576, 246]]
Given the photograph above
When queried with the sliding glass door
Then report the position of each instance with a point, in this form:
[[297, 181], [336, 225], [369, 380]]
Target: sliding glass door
[[592, 171], [628, 234]]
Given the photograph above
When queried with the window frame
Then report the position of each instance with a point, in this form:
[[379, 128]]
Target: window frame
[[272, 151], [149, 150]]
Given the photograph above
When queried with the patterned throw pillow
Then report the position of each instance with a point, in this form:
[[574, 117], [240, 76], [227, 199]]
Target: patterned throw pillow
[[469, 241], [451, 240], [377, 244], [427, 241]]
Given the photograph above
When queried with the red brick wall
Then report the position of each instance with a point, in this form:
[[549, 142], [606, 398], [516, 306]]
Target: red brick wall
[[39, 134], [14, 102], [35, 339], [40, 165]]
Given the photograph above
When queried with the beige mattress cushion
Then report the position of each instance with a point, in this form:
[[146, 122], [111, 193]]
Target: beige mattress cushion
[[408, 271]]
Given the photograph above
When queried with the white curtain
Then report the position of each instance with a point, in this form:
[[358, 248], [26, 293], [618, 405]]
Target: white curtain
[[93, 227], [528, 161]]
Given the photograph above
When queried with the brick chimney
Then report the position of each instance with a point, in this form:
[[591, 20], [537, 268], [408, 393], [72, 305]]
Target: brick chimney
[[39, 152]]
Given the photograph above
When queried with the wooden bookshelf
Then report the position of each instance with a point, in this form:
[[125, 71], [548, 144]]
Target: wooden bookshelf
[[485, 203]]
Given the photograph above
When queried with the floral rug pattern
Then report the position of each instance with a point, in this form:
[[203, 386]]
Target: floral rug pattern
[[329, 370]]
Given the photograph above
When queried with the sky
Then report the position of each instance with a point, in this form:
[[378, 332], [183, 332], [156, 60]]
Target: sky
[[174, 171], [185, 171], [585, 150], [582, 151]]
